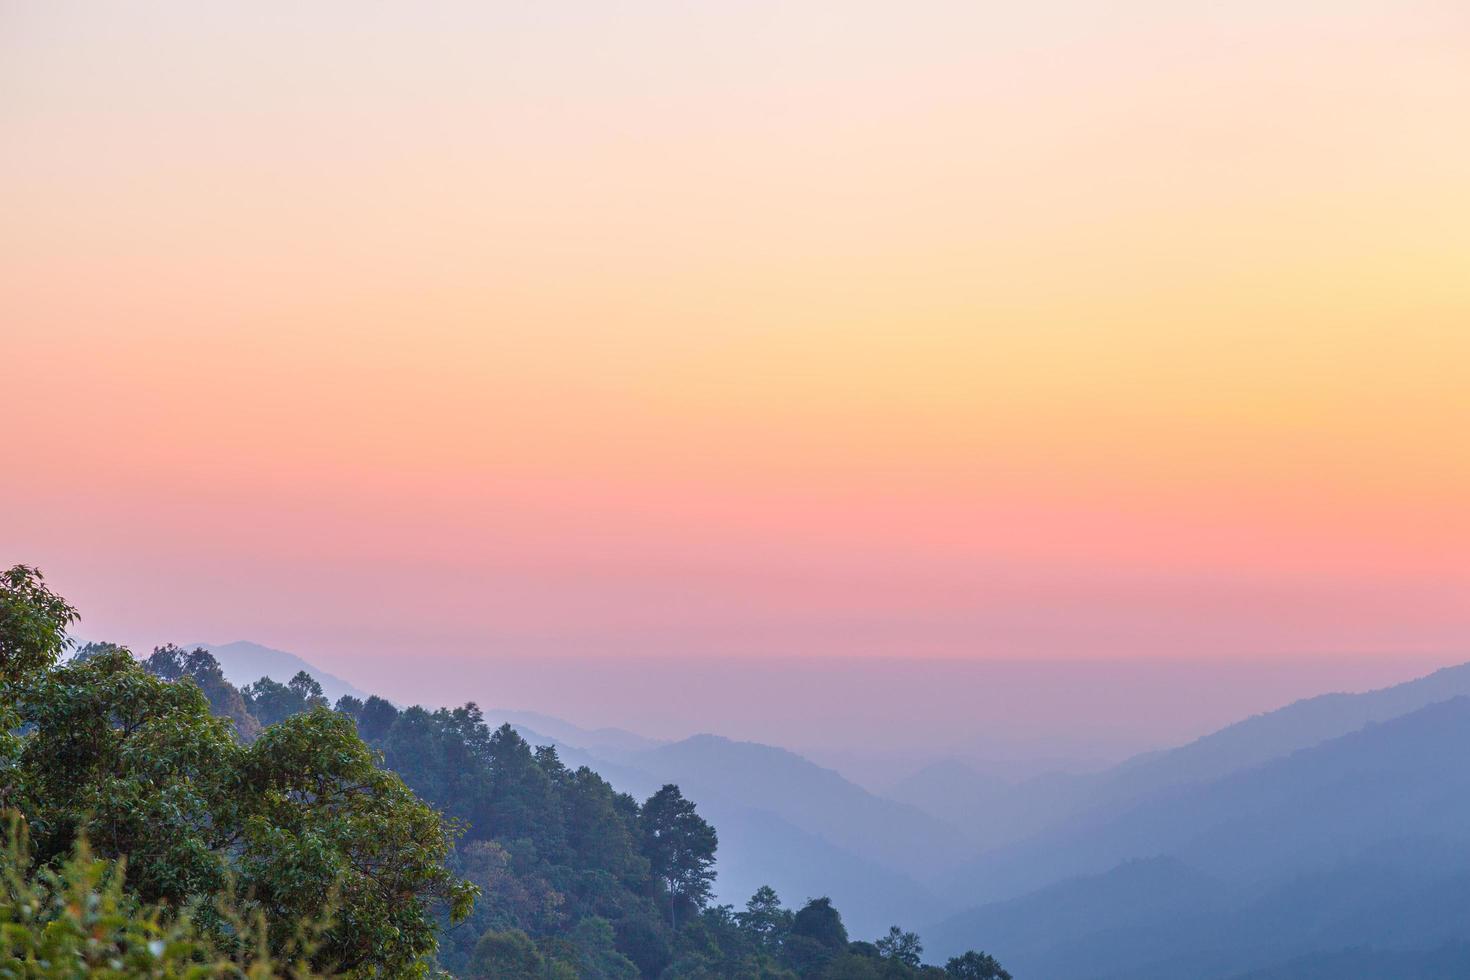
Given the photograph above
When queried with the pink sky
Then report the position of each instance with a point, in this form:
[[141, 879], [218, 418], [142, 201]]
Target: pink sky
[[1061, 330]]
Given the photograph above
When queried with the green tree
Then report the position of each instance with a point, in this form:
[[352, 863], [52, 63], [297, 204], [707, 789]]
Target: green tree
[[817, 937], [76, 919], [376, 717], [170, 663], [272, 702], [820, 921], [680, 847], [166, 662], [507, 955], [522, 798], [903, 947], [349, 706], [975, 966], [597, 957], [853, 966], [645, 941], [137, 764], [306, 687], [321, 819], [303, 816], [764, 920], [33, 624]]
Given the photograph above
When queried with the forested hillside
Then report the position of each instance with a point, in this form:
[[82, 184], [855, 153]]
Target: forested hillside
[[164, 816]]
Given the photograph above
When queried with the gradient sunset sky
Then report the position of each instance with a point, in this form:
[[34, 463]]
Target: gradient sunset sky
[[960, 330]]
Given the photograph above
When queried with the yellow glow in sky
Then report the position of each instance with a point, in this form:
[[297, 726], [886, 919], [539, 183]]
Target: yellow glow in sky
[[831, 309]]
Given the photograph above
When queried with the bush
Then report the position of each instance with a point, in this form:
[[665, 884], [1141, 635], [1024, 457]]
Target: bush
[[77, 921]]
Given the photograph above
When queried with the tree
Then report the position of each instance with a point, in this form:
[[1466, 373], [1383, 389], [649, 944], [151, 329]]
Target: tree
[[597, 957], [272, 702], [600, 825], [306, 687], [170, 663], [322, 818], [680, 847], [33, 624], [819, 921], [303, 819], [522, 801], [507, 955], [816, 938], [903, 947], [76, 919], [166, 662], [857, 964], [376, 717], [764, 920], [508, 899], [136, 764], [644, 940], [975, 966]]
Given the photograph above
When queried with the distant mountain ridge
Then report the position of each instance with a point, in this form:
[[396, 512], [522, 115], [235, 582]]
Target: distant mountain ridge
[[997, 814], [1361, 838], [1299, 725], [244, 663], [818, 800], [773, 829], [1156, 854], [611, 743]]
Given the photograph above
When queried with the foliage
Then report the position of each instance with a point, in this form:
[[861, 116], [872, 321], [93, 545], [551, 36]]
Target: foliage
[[565, 864], [764, 919], [170, 663], [321, 816], [508, 955], [271, 702], [975, 966], [681, 849], [547, 846], [901, 946], [591, 950], [78, 920], [303, 818], [33, 624], [138, 765]]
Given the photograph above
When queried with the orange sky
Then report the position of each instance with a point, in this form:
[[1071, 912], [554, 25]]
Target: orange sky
[[958, 329]]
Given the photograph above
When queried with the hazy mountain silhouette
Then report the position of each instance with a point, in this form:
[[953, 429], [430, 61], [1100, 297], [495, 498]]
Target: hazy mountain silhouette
[[1299, 725], [988, 809], [1288, 839], [996, 814], [1157, 919], [759, 843], [759, 847], [1449, 962], [1361, 839], [608, 743], [1083, 921], [806, 795], [244, 663]]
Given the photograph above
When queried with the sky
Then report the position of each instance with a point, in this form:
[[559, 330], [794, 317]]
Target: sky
[[934, 332]]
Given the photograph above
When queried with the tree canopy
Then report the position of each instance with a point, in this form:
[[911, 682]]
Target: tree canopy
[[302, 822]]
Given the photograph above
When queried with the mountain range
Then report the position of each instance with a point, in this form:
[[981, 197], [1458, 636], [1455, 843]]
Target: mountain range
[[1296, 839], [244, 663], [1206, 871], [782, 820]]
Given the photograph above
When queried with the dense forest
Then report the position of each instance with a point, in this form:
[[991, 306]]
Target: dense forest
[[163, 822]]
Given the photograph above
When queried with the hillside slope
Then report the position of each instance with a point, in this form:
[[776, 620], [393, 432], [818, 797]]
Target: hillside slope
[[1360, 837]]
